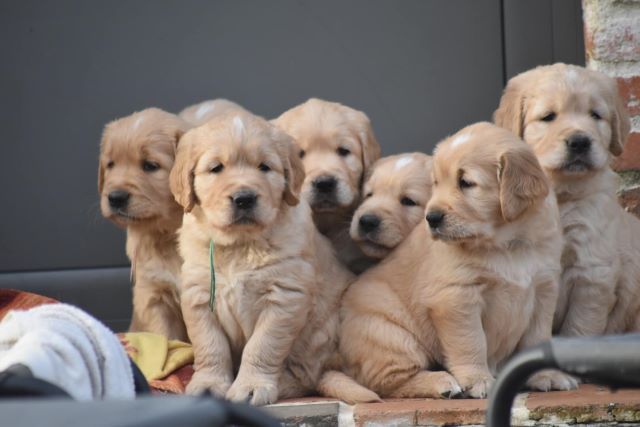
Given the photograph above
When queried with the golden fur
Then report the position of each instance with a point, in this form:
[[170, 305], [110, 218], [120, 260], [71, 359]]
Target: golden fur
[[395, 194], [200, 113], [549, 107], [466, 295], [146, 139], [274, 327], [336, 142]]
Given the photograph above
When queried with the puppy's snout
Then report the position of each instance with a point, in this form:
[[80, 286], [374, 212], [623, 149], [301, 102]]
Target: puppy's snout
[[118, 199], [244, 200], [435, 218], [368, 223], [578, 143], [325, 184]]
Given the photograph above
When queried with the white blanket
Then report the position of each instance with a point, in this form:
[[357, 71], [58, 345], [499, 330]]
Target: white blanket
[[65, 346]]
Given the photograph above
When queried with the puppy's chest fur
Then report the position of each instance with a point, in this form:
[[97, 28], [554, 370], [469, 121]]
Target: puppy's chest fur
[[504, 284], [249, 278], [518, 267], [154, 258], [522, 266], [590, 229], [336, 228]]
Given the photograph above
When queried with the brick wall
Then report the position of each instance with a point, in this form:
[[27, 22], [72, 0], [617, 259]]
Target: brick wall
[[612, 39]]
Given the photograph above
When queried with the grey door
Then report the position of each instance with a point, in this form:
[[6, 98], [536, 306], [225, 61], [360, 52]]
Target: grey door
[[420, 69]]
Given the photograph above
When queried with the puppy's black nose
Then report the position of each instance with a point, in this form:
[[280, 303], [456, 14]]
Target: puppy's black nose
[[368, 222], [325, 184], [244, 199], [118, 199], [435, 218], [578, 143]]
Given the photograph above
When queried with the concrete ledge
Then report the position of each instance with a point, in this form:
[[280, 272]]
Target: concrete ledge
[[310, 413], [418, 412], [590, 405]]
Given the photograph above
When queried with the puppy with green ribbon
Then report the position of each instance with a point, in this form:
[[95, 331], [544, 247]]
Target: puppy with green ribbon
[[260, 286]]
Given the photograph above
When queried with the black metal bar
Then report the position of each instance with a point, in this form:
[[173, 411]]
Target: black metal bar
[[511, 379]]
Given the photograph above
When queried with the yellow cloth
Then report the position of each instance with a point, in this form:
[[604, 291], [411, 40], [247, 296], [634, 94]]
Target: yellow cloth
[[155, 355]]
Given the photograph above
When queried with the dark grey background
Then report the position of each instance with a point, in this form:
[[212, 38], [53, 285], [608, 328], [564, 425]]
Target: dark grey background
[[420, 69]]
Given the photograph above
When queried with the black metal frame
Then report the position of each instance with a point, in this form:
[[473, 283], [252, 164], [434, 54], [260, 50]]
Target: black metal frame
[[613, 361]]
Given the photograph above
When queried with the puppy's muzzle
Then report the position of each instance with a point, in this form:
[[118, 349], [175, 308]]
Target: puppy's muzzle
[[368, 223], [578, 144], [325, 184], [244, 200], [578, 153], [435, 219], [118, 199]]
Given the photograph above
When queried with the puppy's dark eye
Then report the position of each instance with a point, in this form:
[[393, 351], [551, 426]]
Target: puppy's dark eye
[[110, 164], [369, 194], [149, 166], [264, 167], [549, 117], [463, 183], [595, 115], [302, 153], [344, 152], [217, 169], [406, 201]]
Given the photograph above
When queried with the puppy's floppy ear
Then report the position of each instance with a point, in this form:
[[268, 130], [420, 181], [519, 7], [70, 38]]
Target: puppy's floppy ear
[[620, 125], [510, 112], [177, 128], [427, 162], [183, 174], [368, 143], [181, 128], [522, 181], [103, 143], [428, 167], [293, 168], [100, 176]]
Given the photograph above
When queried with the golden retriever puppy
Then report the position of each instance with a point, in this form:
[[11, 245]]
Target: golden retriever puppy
[[201, 113], [575, 121], [337, 147], [136, 156], [466, 290], [272, 331], [395, 195]]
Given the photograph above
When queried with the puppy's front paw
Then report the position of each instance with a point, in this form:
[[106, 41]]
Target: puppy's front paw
[[208, 381], [255, 390], [477, 384], [444, 385], [551, 380]]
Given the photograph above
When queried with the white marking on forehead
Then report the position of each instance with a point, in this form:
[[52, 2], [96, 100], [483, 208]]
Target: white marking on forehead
[[402, 162], [137, 122], [572, 75], [238, 126], [204, 109], [460, 139]]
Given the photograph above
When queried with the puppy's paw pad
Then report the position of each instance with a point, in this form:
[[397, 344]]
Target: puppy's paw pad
[[445, 385], [477, 386], [257, 393], [552, 380], [202, 382], [565, 382]]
